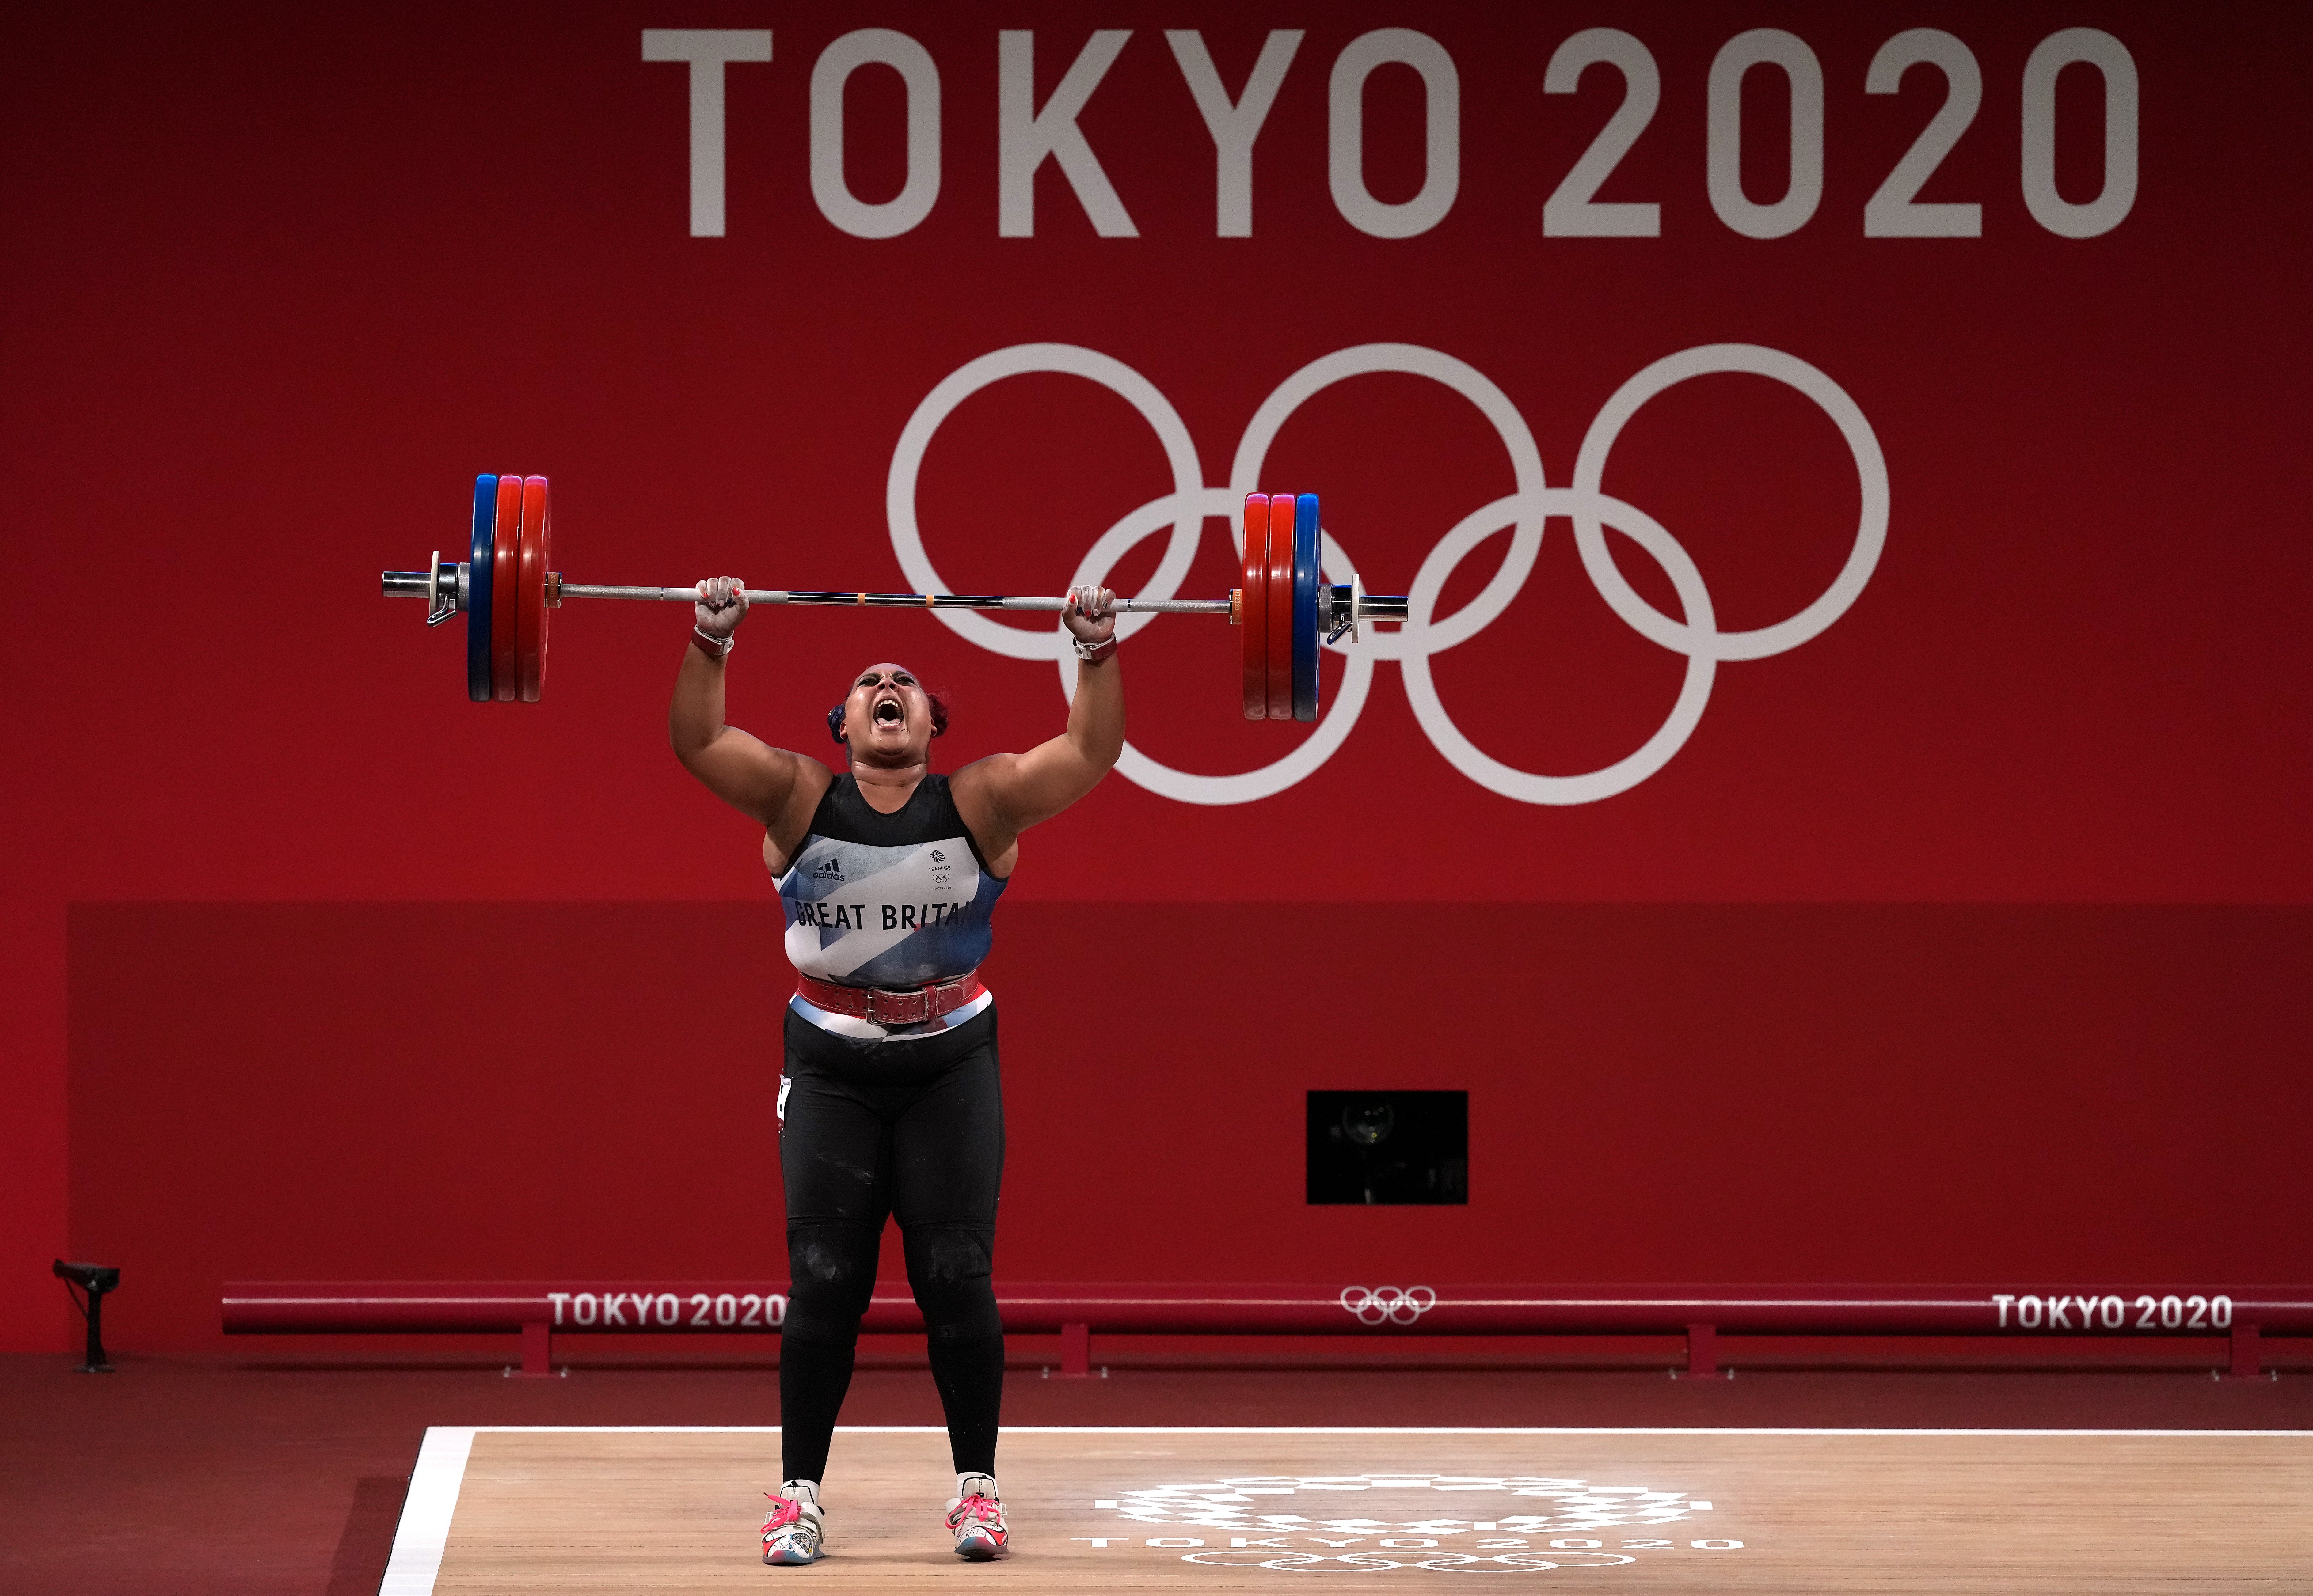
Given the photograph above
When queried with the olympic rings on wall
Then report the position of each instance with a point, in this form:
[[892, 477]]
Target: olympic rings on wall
[[1190, 502], [1388, 1305]]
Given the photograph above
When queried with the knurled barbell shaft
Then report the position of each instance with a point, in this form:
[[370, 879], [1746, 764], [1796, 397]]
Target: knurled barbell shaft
[[773, 595]]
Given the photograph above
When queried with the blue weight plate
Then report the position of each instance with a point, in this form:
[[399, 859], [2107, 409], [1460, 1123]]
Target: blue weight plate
[[1304, 608], [478, 588]]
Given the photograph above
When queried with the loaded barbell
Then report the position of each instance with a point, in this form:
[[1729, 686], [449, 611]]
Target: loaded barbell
[[506, 589]]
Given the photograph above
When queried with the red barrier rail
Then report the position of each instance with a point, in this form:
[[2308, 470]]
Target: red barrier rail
[[539, 1311]]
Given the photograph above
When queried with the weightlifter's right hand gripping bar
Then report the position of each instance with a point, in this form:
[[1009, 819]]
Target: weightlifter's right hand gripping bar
[[504, 591]]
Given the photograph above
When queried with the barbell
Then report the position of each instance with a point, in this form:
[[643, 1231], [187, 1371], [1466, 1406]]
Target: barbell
[[504, 590]]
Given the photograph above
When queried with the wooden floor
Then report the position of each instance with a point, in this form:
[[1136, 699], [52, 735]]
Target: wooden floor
[[1166, 1510]]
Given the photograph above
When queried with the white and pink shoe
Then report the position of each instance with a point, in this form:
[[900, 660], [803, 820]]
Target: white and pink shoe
[[976, 1514], [792, 1530]]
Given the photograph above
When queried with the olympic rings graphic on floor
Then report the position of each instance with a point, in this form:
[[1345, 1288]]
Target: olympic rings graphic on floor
[[1696, 635], [1388, 1305]]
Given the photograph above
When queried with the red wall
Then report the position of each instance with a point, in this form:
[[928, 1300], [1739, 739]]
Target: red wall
[[275, 283], [1725, 1092]]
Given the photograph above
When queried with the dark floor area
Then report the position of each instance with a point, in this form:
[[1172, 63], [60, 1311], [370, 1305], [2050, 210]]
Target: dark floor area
[[191, 1476]]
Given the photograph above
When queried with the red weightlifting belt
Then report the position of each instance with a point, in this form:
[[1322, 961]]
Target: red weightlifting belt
[[882, 1005]]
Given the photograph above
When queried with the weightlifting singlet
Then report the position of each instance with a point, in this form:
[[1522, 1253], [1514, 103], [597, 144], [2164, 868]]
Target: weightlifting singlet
[[895, 900]]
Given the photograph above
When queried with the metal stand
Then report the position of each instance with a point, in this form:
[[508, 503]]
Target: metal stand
[[95, 1279]]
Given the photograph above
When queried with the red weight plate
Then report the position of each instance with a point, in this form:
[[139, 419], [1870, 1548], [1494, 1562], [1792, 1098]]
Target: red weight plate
[[1252, 607], [530, 623], [1281, 606], [505, 576]]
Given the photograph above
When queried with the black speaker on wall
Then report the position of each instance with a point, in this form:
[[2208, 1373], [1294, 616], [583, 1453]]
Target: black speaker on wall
[[1381, 1147]]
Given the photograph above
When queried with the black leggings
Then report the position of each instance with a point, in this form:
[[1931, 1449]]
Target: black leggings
[[852, 1154]]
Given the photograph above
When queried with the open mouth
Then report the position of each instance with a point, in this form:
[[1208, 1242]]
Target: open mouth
[[888, 713]]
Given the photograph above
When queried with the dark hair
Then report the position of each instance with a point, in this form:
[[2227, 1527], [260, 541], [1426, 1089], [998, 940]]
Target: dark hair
[[938, 701]]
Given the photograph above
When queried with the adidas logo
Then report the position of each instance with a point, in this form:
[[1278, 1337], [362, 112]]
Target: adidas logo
[[827, 867]]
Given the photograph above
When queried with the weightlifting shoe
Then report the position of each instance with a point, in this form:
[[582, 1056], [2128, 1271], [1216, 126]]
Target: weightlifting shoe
[[791, 1531], [976, 1517]]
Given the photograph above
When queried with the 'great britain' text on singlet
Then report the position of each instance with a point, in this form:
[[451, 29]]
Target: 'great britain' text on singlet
[[895, 900]]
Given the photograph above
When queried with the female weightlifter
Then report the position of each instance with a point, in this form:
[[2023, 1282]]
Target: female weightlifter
[[889, 1104]]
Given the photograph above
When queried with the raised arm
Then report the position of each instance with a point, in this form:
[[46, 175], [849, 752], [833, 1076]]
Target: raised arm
[[1004, 795], [758, 780]]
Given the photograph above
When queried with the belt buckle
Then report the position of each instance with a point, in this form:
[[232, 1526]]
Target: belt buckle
[[913, 1008]]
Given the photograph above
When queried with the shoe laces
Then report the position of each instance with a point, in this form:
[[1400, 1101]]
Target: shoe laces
[[975, 1508], [784, 1512]]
